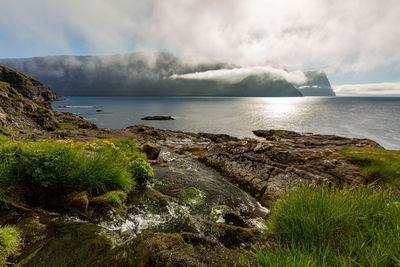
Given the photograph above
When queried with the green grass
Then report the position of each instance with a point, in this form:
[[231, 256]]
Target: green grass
[[280, 134], [67, 125], [4, 86], [379, 164], [292, 256], [46, 168], [317, 226], [10, 242], [6, 131]]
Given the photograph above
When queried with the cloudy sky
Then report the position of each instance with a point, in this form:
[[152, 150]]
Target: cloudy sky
[[354, 41]]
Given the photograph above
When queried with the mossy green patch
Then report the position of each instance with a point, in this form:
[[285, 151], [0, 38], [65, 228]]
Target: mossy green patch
[[67, 125], [114, 199], [153, 249], [191, 197], [280, 134], [76, 202], [40, 111], [6, 131], [71, 244], [235, 236], [4, 86]]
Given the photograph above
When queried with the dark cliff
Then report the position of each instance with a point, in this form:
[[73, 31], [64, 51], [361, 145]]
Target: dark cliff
[[140, 74], [25, 105], [317, 85]]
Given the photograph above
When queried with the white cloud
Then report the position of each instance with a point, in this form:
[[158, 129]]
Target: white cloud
[[335, 35], [237, 74], [369, 89]]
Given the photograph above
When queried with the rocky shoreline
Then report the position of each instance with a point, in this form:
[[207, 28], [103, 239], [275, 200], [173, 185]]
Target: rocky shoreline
[[264, 168], [206, 204], [187, 209]]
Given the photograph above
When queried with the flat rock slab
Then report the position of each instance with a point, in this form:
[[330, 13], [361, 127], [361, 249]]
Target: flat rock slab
[[158, 118]]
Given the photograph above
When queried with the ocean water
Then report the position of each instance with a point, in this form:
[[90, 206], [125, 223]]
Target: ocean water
[[376, 118]]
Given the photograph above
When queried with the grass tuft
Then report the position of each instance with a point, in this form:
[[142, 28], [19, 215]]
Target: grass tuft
[[10, 243], [379, 164], [335, 227], [50, 168]]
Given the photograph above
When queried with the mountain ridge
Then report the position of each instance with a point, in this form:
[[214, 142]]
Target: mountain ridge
[[143, 74]]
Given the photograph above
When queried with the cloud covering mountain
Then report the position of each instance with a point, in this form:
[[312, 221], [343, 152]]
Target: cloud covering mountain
[[158, 74], [335, 35]]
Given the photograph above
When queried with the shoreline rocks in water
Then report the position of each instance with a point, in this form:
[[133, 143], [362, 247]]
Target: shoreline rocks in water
[[157, 118]]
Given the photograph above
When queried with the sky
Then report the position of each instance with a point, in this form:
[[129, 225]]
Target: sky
[[355, 41]]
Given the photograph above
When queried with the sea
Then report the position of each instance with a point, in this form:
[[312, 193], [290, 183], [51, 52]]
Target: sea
[[376, 118]]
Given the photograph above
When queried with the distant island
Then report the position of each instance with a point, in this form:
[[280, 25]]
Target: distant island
[[150, 74]]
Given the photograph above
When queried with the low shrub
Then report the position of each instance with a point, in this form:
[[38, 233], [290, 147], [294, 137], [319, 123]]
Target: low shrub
[[336, 227], [141, 169]]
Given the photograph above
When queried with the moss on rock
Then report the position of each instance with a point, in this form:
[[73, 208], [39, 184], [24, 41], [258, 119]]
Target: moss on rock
[[234, 236], [153, 249], [191, 197], [112, 199], [70, 244], [76, 202]]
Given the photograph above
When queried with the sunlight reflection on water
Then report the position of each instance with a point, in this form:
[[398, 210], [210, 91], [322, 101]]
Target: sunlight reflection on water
[[373, 118]]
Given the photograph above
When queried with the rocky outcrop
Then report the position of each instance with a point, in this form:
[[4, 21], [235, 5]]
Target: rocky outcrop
[[285, 159], [157, 118], [267, 167], [26, 85], [25, 106]]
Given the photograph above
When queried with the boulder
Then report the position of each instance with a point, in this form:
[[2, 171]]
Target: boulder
[[157, 118], [151, 151]]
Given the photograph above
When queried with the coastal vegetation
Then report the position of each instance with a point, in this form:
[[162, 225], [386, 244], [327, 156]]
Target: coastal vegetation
[[328, 226], [33, 172], [379, 165], [79, 203]]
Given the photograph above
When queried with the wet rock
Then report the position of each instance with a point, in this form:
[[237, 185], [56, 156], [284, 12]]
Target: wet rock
[[151, 151], [69, 244], [157, 118], [76, 202], [153, 249], [268, 134], [265, 168], [235, 236], [191, 197], [218, 138], [110, 200], [218, 213]]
